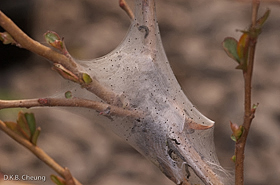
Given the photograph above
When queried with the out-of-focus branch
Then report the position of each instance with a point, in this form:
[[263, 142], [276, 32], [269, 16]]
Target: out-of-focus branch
[[38, 152], [103, 108]]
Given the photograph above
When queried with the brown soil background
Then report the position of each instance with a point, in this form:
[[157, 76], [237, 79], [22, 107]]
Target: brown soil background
[[192, 32]]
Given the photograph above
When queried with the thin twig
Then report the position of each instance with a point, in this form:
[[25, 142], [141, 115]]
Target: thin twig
[[123, 4], [74, 102], [26, 42], [249, 114], [36, 151], [255, 8], [67, 62]]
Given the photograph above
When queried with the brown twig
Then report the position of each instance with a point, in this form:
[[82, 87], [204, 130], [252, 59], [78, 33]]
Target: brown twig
[[67, 62], [74, 102], [123, 4], [36, 151], [26, 42], [249, 114]]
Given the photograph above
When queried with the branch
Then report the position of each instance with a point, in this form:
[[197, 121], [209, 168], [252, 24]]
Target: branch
[[68, 63], [26, 42], [103, 108], [248, 110], [37, 152]]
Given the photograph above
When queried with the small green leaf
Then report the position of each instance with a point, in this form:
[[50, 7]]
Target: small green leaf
[[14, 127], [243, 50], [31, 122], [242, 46], [262, 20], [23, 125], [233, 138], [86, 78], [56, 180], [68, 94], [35, 136], [230, 47], [11, 125]]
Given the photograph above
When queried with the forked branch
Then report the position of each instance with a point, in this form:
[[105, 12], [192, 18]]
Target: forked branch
[[38, 152], [66, 62]]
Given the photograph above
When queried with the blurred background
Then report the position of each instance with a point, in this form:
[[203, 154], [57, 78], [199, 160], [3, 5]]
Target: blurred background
[[192, 33]]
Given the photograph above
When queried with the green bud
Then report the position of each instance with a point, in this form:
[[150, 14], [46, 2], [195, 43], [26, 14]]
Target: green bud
[[237, 131], [68, 94], [86, 78], [233, 158], [51, 37], [6, 38]]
